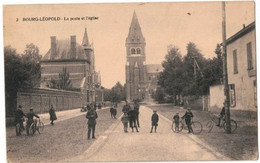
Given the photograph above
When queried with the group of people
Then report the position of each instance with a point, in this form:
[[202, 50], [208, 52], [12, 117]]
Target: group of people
[[188, 116], [19, 117], [131, 116]]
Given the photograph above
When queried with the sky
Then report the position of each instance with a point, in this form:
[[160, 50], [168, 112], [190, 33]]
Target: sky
[[162, 24]]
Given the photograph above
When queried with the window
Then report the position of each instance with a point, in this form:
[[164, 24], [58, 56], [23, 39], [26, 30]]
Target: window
[[232, 95], [138, 51], [249, 56], [235, 61], [255, 93], [132, 51]]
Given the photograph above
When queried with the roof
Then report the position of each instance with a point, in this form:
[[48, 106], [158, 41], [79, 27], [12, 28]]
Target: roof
[[154, 68], [63, 51], [135, 34], [241, 33]]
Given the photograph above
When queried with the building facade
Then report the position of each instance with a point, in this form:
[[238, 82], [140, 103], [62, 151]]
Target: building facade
[[138, 84], [241, 59], [79, 62]]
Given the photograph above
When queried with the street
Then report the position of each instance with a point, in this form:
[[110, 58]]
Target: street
[[67, 140], [115, 145]]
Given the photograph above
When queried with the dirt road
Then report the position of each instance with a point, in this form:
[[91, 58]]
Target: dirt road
[[115, 145]]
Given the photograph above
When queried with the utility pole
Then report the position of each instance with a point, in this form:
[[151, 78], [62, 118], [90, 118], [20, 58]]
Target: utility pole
[[225, 75]]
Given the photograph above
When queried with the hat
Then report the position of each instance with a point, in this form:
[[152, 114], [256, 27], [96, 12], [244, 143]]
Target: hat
[[20, 106], [31, 109], [155, 111]]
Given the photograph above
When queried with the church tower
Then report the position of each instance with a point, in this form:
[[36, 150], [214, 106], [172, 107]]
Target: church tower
[[135, 62]]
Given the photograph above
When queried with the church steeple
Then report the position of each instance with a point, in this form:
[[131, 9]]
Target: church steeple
[[85, 41], [135, 34]]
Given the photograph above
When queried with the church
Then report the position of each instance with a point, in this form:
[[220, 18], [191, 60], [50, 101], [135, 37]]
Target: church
[[141, 78]]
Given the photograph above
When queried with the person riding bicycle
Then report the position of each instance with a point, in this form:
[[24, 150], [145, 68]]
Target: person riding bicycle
[[221, 115], [30, 120], [19, 116], [188, 116]]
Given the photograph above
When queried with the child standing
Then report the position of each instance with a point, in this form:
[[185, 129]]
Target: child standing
[[154, 119], [124, 120], [176, 119]]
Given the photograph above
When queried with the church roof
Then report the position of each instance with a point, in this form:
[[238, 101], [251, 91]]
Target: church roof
[[154, 68], [135, 34], [63, 51], [85, 41]]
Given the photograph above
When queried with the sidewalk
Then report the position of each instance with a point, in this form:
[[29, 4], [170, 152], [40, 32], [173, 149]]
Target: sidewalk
[[64, 115]]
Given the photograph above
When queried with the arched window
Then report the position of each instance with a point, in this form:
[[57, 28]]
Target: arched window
[[138, 50], [132, 51]]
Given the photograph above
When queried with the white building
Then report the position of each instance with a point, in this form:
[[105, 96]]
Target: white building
[[241, 59]]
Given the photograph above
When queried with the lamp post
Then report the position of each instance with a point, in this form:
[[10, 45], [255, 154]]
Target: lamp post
[[225, 75]]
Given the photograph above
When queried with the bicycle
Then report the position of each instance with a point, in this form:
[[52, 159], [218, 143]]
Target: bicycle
[[195, 125], [37, 125], [214, 121]]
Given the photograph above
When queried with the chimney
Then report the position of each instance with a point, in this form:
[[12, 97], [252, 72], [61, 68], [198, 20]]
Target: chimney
[[73, 47], [53, 47]]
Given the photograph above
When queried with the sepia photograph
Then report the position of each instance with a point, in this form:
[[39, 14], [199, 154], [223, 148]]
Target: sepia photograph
[[121, 81]]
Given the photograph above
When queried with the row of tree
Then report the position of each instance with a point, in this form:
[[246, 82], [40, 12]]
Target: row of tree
[[116, 94], [189, 75]]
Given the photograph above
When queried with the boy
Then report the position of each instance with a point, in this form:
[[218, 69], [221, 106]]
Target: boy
[[30, 120], [124, 120], [154, 119], [188, 119], [176, 119]]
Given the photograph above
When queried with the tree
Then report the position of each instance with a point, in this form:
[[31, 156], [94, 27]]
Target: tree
[[20, 73], [172, 78], [63, 82], [115, 94]]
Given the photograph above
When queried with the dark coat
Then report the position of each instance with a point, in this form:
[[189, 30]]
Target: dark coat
[[155, 119], [136, 108], [91, 116], [19, 115], [52, 114], [126, 108], [222, 113], [30, 116]]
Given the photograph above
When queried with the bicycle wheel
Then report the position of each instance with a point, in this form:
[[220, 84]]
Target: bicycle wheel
[[177, 128], [233, 125], [18, 129], [40, 127], [32, 129], [196, 127], [209, 126]]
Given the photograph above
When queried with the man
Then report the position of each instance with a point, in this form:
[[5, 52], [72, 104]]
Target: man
[[132, 119], [19, 116], [222, 114], [91, 116], [155, 120], [53, 116], [136, 108], [188, 116], [126, 107], [30, 117]]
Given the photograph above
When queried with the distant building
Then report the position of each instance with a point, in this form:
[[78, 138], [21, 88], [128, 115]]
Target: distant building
[[79, 61], [241, 59], [141, 79]]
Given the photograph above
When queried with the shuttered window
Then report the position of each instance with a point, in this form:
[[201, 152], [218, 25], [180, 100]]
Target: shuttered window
[[249, 56], [235, 61]]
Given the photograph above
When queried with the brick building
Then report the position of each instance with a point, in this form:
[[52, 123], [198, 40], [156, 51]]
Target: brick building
[[141, 79], [79, 61]]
